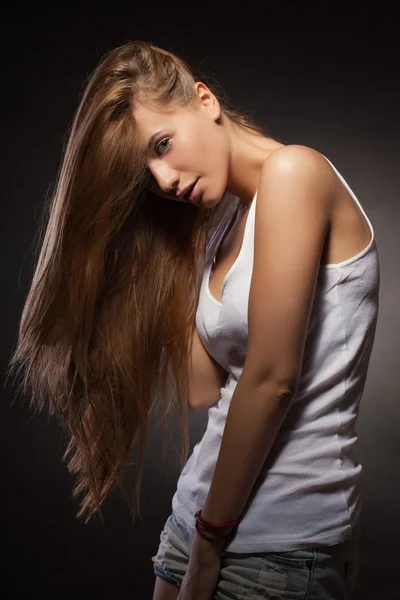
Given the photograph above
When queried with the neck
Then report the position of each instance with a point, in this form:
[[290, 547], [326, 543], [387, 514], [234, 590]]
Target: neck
[[248, 151]]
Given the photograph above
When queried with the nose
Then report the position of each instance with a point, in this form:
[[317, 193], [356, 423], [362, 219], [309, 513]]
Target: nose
[[166, 179]]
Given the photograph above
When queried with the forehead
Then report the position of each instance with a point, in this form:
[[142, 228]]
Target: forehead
[[150, 119], [144, 112]]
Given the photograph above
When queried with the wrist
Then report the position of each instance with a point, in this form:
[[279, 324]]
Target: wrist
[[207, 548]]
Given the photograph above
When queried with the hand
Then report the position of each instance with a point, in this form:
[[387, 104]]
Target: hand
[[202, 573]]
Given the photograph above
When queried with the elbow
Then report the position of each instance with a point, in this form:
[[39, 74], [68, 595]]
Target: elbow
[[284, 388]]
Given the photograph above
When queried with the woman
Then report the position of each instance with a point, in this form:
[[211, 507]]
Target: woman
[[190, 258]]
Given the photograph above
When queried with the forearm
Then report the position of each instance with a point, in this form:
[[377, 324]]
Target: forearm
[[253, 421]]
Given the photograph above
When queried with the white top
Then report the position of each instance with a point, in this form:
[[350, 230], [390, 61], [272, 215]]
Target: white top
[[309, 492]]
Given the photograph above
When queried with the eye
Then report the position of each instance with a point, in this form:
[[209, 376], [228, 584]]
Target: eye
[[158, 145]]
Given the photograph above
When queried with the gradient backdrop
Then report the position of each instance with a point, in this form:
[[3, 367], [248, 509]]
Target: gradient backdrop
[[325, 76]]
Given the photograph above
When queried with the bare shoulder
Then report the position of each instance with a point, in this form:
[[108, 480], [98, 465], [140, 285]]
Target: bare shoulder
[[300, 161], [300, 172]]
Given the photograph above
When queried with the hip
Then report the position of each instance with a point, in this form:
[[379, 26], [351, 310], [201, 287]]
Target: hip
[[318, 573]]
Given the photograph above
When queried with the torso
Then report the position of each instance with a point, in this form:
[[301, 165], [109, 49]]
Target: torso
[[348, 235]]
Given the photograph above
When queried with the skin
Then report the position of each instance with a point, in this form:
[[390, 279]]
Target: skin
[[200, 141]]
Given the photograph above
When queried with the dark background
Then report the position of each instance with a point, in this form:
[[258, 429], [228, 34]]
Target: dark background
[[325, 76]]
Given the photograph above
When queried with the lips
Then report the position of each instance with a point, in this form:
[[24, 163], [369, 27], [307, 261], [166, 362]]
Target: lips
[[187, 194]]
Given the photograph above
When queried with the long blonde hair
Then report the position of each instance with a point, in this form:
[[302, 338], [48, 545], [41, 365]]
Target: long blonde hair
[[105, 331]]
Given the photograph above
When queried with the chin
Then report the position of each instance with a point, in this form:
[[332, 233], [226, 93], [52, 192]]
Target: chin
[[213, 205]]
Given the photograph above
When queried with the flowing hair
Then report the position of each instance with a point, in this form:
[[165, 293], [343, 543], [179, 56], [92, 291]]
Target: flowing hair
[[105, 332]]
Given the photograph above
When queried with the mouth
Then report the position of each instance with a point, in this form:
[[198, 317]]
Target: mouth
[[186, 196], [190, 190]]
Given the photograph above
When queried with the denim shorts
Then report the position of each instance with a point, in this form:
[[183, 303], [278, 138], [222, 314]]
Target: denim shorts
[[318, 573]]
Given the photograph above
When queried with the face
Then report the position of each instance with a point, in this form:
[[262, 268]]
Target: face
[[189, 145]]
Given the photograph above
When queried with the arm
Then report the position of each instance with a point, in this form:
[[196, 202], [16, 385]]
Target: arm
[[292, 219], [206, 376]]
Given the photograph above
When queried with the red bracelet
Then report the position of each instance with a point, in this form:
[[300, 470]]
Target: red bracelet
[[201, 522]]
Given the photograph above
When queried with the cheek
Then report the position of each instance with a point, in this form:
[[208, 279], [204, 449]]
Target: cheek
[[214, 158], [194, 142], [200, 149], [208, 150]]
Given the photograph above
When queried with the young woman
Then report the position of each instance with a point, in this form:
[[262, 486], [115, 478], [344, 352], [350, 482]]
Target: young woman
[[190, 260]]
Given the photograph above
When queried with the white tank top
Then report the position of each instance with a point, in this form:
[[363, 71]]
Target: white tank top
[[308, 492]]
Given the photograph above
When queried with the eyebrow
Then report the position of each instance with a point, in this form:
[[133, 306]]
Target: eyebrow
[[150, 142]]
